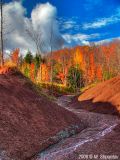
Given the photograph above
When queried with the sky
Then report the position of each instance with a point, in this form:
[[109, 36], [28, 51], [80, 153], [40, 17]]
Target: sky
[[79, 22]]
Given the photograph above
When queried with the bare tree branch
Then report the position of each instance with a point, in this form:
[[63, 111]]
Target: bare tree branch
[[1, 33]]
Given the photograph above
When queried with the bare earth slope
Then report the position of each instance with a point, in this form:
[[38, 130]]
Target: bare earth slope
[[104, 98], [101, 138], [28, 120]]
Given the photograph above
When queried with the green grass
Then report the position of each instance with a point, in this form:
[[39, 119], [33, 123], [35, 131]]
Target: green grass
[[88, 86]]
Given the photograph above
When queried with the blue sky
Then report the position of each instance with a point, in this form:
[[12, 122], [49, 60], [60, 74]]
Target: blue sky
[[83, 21], [86, 17]]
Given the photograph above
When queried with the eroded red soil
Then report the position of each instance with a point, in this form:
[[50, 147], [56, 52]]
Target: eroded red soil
[[104, 98], [28, 120], [100, 138]]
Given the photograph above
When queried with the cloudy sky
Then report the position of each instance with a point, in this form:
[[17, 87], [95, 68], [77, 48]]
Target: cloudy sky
[[79, 22]]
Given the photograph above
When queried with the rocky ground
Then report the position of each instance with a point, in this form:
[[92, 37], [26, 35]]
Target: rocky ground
[[100, 140]]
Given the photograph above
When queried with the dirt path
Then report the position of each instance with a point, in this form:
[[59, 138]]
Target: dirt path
[[99, 128]]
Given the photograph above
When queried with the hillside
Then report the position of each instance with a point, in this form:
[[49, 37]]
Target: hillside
[[29, 122], [101, 137], [103, 98]]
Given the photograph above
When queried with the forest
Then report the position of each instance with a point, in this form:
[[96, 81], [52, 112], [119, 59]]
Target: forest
[[69, 69]]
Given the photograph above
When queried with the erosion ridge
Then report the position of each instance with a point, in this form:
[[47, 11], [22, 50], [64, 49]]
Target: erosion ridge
[[103, 98]]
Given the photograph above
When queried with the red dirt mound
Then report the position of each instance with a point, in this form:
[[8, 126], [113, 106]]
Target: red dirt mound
[[28, 120], [104, 98]]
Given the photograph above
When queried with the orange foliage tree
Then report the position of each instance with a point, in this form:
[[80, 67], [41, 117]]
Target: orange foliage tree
[[44, 73], [15, 56], [94, 61], [99, 73], [91, 70], [32, 72]]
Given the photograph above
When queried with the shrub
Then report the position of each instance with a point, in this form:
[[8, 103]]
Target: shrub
[[75, 78]]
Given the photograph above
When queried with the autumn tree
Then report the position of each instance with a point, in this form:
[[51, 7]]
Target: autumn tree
[[15, 56], [35, 36], [51, 52], [29, 57], [91, 71], [75, 78], [32, 72], [37, 60], [78, 66], [65, 60], [42, 65], [99, 73]]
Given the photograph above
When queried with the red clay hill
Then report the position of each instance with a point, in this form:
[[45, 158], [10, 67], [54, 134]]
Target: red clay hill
[[103, 98], [29, 122]]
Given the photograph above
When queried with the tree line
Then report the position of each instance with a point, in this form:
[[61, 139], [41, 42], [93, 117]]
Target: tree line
[[71, 67]]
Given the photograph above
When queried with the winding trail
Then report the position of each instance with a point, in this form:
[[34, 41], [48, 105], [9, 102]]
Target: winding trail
[[99, 126]]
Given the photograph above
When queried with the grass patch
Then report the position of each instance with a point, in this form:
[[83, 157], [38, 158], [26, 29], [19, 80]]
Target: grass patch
[[88, 87]]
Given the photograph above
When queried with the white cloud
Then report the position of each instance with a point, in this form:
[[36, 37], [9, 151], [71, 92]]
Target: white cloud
[[79, 38], [69, 24], [42, 17], [107, 40], [14, 21], [42, 14], [103, 21]]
